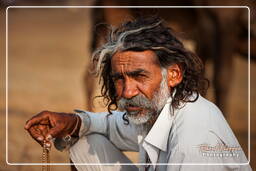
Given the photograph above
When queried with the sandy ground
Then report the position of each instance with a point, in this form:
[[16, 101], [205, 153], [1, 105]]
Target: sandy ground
[[48, 54]]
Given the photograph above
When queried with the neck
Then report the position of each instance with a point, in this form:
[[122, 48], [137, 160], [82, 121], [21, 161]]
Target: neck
[[143, 129]]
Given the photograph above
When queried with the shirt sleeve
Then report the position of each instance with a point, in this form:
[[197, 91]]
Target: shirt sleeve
[[122, 135]]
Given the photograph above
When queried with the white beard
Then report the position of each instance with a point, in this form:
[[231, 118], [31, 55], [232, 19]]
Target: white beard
[[153, 106]]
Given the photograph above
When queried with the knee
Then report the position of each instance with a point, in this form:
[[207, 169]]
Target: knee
[[96, 139], [89, 144]]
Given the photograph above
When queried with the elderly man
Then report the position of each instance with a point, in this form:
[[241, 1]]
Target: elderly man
[[155, 83]]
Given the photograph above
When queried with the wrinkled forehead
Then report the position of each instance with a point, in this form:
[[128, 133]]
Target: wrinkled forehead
[[130, 60]]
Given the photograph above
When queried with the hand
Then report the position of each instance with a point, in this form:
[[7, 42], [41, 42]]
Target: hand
[[47, 125]]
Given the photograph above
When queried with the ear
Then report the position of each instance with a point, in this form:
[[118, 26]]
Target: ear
[[174, 75]]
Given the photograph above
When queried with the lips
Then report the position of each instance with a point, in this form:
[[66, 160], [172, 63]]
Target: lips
[[132, 108]]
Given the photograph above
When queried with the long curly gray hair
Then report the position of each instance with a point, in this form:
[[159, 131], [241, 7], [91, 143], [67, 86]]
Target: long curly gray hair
[[150, 34]]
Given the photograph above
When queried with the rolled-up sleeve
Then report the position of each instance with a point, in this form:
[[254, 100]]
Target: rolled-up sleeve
[[122, 135], [112, 126]]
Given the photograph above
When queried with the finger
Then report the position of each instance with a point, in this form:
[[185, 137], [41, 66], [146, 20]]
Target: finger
[[48, 144], [53, 133], [41, 117], [44, 129], [36, 135]]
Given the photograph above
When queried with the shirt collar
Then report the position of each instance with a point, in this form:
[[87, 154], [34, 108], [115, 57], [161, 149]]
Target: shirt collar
[[159, 133], [157, 138]]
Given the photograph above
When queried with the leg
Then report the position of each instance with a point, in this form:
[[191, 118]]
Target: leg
[[98, 149]]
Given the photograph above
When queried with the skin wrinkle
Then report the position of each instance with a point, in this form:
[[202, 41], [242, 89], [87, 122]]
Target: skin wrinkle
[[143, 44], [149, 34], [138, 60], [138, 82], [153, 106]]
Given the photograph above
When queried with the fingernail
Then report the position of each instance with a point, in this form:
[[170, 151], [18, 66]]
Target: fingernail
[[48, 144], [40, 138], [49, 137]]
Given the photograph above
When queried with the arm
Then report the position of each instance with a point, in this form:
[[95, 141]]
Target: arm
[[110, 125]]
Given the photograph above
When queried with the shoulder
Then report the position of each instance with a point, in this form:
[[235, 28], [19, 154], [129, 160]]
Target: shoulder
[[200, 125], [202, 122], [199, 115], [201, 108]]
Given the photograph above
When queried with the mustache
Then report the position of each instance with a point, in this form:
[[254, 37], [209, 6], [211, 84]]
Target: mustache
[[139, 100]]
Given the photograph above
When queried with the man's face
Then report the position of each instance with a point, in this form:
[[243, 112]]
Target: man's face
[[137, 77]]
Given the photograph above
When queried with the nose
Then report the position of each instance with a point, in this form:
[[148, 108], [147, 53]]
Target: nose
[[130, 89]]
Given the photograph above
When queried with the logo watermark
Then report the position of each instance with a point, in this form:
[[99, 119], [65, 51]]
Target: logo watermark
[[219, 150]]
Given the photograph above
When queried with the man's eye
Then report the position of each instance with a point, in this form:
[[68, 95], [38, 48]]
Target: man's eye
[[141, 75], [117, 78]]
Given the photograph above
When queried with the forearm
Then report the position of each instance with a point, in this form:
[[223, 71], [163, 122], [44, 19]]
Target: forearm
[[85, 127], [93, 123], [110, 125]]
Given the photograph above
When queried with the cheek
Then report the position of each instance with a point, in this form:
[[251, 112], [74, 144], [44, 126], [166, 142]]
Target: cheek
[[149, 88], [153, 85]]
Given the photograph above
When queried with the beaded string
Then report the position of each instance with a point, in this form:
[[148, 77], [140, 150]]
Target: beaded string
[[45, 157], [46, 150]]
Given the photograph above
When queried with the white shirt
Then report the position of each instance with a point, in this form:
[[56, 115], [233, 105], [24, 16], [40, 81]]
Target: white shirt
[[195, 134]]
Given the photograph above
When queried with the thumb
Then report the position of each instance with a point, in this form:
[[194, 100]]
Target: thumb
[[52, 133]]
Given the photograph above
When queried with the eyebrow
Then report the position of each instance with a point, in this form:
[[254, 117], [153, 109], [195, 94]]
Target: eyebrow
[[131, 73]]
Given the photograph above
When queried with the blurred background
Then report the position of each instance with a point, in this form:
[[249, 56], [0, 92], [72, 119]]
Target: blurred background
[[48, 61]]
